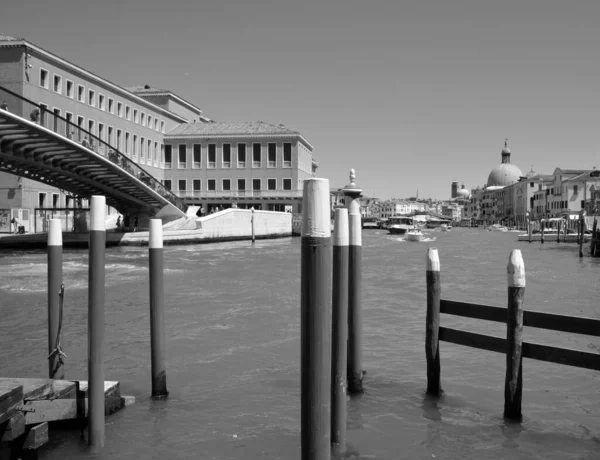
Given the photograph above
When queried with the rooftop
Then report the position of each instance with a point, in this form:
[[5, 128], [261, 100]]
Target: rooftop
[[234, 129], [8, 38]]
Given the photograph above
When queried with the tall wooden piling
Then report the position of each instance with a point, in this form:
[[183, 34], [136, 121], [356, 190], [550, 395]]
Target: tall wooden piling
[[55, 280], [581, 232], [96, 278], [529, 226], [355, 367], [432, 322], [542, 225], [315, 321], [513, 385], [157, 310], [558, 225], [339, 355], [252, 224]]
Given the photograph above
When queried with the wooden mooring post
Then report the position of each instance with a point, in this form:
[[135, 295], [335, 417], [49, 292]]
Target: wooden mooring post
[[432, 323], [55, 282], [558, 225], [581, 231], [513, 384], [157, 310], [315, 321], [252, 224], [96, 288], [529, 226], [542, 225], [339, 352]]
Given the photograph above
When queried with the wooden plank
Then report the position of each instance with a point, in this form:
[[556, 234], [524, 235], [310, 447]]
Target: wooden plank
[[32, 388], [562, 323], [566, 356], [472, 310], [50, 410], [112, 396], [36, 436], [472, 339], [7, 407], [64, 389], [541, 320], [7, 389], [14, 428]]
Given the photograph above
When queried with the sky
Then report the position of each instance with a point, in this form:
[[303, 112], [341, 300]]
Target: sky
[[411, 94]]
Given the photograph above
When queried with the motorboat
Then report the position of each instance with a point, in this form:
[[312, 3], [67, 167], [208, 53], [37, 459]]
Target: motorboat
[[399, 225], [497, 228], [370, 222], [445, 228], [414, 235]]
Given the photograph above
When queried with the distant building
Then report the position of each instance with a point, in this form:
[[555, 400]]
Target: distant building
[[454, 189]]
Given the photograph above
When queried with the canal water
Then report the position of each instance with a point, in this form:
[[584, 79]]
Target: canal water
[[234, 351]]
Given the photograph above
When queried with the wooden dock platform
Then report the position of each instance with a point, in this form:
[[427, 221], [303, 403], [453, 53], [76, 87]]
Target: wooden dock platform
[[28, 405]]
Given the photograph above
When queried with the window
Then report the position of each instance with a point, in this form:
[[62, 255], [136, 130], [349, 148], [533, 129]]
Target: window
[[287, 156], [226, 185], [142, 155], [56, 119], [156, 124], [155, 152], [119, 108], [271, 184], [119, 136], [212, 184], [226, 155], [80, 93], [44, 78], [182, 156], [162, 153], [212, 156], [135, 115], [101, 101], [111, 105], [101, 131], [287, 184], [55, 200], [241, 184], [256, 157], [197, 156], [162, 126], [168, 156], [41, 199], [110, 135], [91, 126], [91, 97], [80, 125], [256, 184], [531, 184], [182, 186], [575, 190], [142, 118], [149, 121], [167, 183], [70, 132], [128, 112], [57, 84], [197, 186], [70, 87], [126, 143], [134, 146], [149, 158], [272, 159], [241, 159]]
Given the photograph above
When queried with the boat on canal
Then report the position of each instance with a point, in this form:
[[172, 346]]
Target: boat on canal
[[414, 235], [399, 225]]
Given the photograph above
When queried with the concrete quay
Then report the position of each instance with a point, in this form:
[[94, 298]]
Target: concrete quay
[[226, 225]]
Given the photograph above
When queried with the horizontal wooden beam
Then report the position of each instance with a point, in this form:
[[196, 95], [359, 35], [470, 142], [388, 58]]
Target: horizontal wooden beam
[[541, 320], [565, 356]]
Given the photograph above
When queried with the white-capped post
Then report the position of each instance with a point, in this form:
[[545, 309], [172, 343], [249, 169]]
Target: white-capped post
[[55, 280], [315, 321], [339, 351], [352, 195], [432, 322], [96, 276], [513, 384], [157, 310]]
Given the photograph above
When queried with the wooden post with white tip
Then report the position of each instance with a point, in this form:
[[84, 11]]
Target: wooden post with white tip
[[55, 280], [315, 321], [513, 385], [432, 323]]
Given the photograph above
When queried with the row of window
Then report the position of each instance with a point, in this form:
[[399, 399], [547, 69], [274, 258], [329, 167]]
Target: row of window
[[226, 184], [133, 146], [226, 157], [104, 103]]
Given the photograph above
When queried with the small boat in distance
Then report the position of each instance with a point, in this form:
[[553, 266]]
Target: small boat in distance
[[399, 225], [445, 228], [497, 228], [370, 222], [414, 235]]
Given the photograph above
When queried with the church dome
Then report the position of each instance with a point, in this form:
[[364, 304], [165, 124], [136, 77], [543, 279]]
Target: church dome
[[505, 173], [463, 192]]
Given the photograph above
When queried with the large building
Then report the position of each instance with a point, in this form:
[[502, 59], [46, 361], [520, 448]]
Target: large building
[[149, 126]]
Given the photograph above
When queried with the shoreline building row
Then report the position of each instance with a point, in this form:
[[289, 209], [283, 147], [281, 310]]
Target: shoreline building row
[[207, 163]]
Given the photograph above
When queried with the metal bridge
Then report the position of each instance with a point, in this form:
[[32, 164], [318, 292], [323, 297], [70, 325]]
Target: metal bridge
[[29, 149]]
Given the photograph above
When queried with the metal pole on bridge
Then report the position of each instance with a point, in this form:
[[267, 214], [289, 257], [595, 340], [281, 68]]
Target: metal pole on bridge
[[355, 368], [157, 310], [315, 321], [55, 280], [339, 352], [96, 293]]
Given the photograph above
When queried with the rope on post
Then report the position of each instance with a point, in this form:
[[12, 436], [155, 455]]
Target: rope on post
[[57, 347]]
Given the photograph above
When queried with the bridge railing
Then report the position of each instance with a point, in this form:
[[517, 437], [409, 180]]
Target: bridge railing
[[50, 119]]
